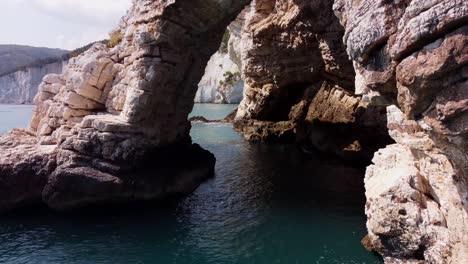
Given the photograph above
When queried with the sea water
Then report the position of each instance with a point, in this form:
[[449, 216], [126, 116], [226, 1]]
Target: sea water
[[268, 203]]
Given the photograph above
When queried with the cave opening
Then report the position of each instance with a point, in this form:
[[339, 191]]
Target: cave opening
[[279, 107]]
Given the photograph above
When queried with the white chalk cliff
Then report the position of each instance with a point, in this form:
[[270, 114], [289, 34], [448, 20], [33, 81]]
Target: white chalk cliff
[[20, 87], [221, 83]]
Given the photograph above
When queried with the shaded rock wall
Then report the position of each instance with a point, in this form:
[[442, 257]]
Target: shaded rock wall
[[286, 47], [414, 54], [300, 81]]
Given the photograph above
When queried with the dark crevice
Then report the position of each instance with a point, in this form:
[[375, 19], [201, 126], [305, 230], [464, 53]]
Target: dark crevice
[[419, 253], [374, 50], [280, 107]]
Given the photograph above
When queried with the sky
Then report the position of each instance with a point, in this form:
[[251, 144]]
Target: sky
[[65, 24]]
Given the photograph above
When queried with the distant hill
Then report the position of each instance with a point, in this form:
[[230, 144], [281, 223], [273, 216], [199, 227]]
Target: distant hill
[[14, 57], [22, 69]]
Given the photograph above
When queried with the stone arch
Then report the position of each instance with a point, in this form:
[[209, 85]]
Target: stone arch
[[149, 79], [116, 110], [118, 114]]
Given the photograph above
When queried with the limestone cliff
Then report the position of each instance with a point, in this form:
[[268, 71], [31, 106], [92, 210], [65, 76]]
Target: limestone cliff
[[300, 81], [21, 87], [222, 83], [22, 69], [16, 57], [414, 54]]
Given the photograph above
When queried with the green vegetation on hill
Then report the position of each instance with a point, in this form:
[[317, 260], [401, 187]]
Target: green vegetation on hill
[[15, 56]]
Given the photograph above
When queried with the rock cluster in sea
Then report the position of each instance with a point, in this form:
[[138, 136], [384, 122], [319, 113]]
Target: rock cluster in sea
[[347, 77]]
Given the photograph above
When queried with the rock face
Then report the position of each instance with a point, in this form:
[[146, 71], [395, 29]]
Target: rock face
[[113, 117], [20, 87], [300, 82], [410, 53], [112, 127], [288, 46], [414, 53], [416, 197], [222, 83]]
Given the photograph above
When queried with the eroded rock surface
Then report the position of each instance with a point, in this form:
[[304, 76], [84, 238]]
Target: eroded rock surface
[[416, 197], [111, 114], [300, 82], [414, 54]]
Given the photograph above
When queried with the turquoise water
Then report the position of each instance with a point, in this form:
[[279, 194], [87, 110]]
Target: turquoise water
[[266, 204], [212, 111], [14, 116]]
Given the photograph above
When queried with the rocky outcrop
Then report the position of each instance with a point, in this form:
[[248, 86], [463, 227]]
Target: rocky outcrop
[[409, 53], [416, 197], [65, 180], [288, 46], [20, 87], [300, 82], [113, 117], [414, 54], [222, 83], [24, 169]]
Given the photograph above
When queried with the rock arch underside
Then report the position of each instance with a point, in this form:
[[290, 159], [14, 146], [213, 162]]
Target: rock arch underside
[[341, 76]]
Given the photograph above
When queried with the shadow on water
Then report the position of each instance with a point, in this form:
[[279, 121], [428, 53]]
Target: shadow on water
[[266, 204]]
